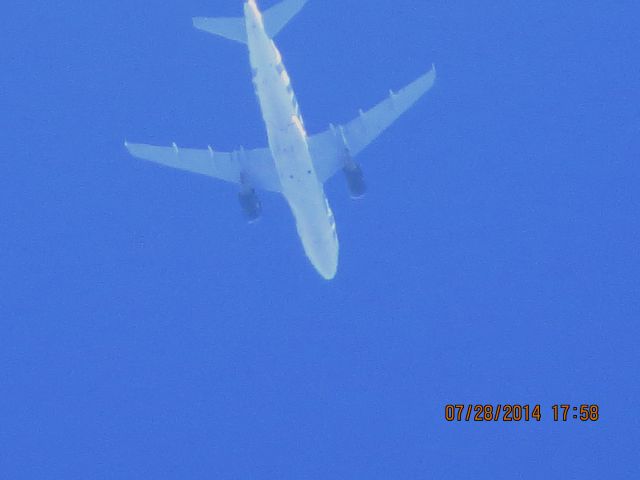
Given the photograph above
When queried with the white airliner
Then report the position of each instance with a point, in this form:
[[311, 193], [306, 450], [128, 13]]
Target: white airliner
[[295, 164]]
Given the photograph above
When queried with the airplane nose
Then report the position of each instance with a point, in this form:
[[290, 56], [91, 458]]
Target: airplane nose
[[328, 272], [325, 259]]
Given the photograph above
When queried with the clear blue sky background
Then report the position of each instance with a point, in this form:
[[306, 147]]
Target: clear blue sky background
[[148, 332]]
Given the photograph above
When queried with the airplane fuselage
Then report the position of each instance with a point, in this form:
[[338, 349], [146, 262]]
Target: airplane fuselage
[[288, 144]]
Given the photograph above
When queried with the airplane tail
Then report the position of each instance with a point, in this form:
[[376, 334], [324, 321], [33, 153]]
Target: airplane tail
[[275, 18]]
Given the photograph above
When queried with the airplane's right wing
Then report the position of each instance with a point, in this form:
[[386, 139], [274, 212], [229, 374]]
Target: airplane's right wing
[[332, 147], [251, 167]]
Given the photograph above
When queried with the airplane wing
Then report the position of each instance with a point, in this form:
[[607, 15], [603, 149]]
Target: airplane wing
[[331, 148], [251, 167]]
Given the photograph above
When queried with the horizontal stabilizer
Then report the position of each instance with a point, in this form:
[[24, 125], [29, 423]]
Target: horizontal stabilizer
[[279, 15], [231, 28], [234, 28]]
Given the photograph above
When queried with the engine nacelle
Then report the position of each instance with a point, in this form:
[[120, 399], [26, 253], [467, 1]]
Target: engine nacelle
[[355, 180], [251, 206]]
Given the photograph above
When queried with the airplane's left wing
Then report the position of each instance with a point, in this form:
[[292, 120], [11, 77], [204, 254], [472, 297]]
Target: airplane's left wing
[[251, 167], [331, 148]]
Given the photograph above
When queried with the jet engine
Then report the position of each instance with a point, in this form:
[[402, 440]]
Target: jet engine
[[251, 206], [355, 180]]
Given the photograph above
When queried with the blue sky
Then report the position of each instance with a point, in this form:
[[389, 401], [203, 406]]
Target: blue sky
[[149, 332]]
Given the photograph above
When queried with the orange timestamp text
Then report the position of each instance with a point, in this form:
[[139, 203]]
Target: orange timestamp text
[[515, 412]]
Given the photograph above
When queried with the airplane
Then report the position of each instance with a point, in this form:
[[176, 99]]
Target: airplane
[[295, 164]]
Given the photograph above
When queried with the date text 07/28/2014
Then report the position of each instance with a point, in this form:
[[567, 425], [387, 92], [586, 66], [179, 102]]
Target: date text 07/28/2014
[[514, 412]]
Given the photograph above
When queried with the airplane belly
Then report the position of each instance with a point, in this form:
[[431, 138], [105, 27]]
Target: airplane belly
[[316, 228], [318, 238], [288, 144], [314, 219]]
